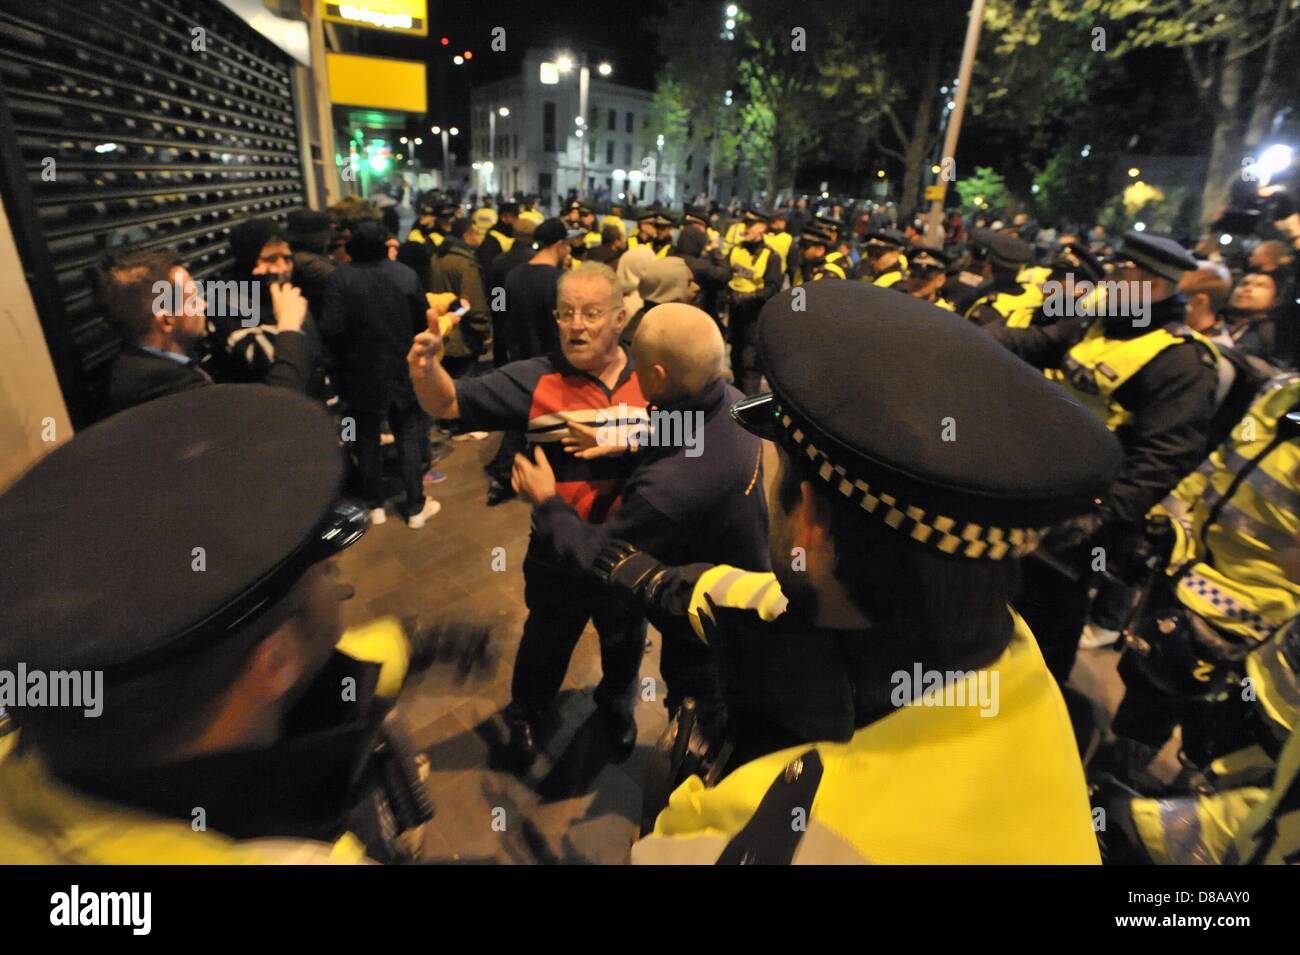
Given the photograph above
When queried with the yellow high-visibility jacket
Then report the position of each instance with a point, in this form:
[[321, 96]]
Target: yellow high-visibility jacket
[[925, 784]]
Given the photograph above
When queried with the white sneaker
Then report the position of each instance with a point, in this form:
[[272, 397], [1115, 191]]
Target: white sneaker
[[416, 521], [1095, 637], [377, 516]]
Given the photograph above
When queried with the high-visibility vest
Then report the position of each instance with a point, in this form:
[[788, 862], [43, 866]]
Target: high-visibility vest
[[925, 784], [780, 243], [1034, 275], [1097, 366], [1246, 824], [505, 241], [533, 216], [1017, 310], [1236, 522], [418, 235], [889, 278], [485, 218], [944, 304], [815, 273], [591, 240], [840, 260], [45, 821], [734, 235], [747, 270], [660, 253], [612, 220]]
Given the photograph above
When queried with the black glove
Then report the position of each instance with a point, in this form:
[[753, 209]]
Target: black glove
[[645, 580]]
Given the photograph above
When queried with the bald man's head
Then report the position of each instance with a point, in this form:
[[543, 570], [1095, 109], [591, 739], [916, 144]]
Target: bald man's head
[[678, 351]]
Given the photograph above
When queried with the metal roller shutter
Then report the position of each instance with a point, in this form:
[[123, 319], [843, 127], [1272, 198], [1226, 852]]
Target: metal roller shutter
[[152, 142]]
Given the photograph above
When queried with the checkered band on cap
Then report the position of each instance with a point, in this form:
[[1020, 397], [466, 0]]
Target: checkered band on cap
[[951, 536]]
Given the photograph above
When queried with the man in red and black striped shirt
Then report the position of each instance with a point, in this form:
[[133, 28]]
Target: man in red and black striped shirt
[[591, 381]]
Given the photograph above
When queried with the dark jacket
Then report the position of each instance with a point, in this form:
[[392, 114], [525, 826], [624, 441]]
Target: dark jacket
[[454, 269], [683, 507], [139, 376], [372, 311], [1171, 400]]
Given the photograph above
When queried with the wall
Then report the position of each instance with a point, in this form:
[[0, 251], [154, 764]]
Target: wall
[[31, 404]]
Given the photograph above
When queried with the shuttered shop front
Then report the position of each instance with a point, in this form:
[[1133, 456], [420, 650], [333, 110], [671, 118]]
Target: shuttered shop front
[[133, 122]]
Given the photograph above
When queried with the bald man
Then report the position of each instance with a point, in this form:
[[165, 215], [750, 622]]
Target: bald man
[[694, 496]]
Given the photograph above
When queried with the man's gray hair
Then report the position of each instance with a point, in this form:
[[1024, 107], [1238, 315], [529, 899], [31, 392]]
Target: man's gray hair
[[591, 270]]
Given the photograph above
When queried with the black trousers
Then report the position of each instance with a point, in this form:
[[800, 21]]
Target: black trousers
[[559, 605], [1056, 608], [743, 327], [503, 462], [406, 425]]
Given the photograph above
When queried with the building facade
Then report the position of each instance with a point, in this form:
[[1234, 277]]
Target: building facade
[[524, 138]]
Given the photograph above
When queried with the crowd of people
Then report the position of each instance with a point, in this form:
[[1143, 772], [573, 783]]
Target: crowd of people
[[939, 508]]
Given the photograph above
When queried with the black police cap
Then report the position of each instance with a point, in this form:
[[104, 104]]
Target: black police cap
[[885, 238], [697, 215], [99, 560], [1075, 258], [924, 258], [925, 421], [1157, 254], [1007, 251]]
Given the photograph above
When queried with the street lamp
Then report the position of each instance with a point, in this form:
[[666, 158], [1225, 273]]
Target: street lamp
[[564, 62], [445, 132]]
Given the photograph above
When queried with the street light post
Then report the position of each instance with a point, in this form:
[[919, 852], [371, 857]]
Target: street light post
[[446, 174], [934, 228], [565, 64]]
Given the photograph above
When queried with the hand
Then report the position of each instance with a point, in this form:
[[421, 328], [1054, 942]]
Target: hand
[[290, 307], [649, 583], [586, 443], [422, 359], [533, 479]]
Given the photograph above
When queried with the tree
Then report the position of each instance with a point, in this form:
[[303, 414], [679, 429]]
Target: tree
[[1072, 186], [986, 191], [1232, 50]]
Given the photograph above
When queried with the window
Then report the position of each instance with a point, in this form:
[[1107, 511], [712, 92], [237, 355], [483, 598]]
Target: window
[[609, 153], [629, 122], [627, 154], [548, 127], [613, 120]]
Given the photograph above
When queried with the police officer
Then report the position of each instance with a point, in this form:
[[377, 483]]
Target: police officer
[[755, 278], [1073, 283], [813, 265], [1153, 382], [841, 249], [500, 237], [893, 565], [225, 723], [1230, 567], [927, 271], [1005, 300], [884, 251], [651, 228], [778, 238]]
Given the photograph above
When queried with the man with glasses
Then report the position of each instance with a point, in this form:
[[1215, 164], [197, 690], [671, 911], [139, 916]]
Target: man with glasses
[[591, 382]]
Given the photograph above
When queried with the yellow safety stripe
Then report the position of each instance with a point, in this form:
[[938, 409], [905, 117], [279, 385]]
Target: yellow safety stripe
[[727, 586], [747, 270], [505, 241], [381, 641]]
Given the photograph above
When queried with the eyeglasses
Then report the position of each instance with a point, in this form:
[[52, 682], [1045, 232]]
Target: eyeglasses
[[589, 316]]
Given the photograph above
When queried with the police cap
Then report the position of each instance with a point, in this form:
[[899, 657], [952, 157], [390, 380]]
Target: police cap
[[1076, 258], [696, 215], [1007, 251], [925, 259], [811, 235], [754, 215], [884, 240], [924, 421], [168, 527], [1157, 254]]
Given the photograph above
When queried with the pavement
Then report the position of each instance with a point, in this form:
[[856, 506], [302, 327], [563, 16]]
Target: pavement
[[461, 574]]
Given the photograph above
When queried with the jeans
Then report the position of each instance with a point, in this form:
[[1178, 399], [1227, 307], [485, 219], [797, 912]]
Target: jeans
[[406, 425]]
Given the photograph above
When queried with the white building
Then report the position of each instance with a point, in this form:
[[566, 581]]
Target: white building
[[524, 137]]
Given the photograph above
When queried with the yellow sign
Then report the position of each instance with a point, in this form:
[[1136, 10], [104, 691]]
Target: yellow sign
[[934, 193], [377, 82], [393, 16]]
